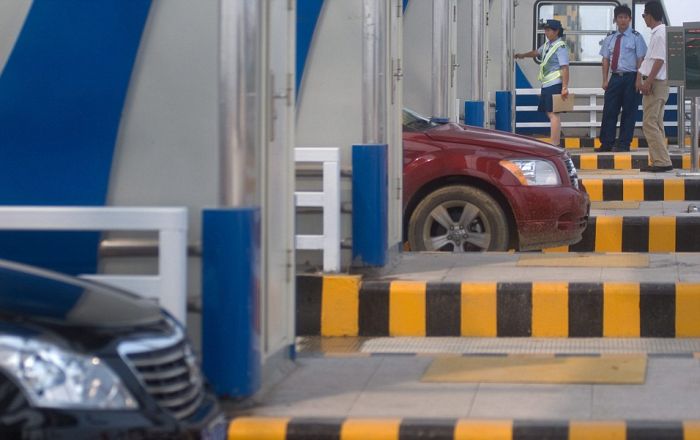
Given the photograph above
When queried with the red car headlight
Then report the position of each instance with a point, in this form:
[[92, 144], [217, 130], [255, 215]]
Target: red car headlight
[[533, 172]]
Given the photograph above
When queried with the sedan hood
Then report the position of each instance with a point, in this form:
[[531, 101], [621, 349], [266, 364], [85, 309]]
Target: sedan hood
[[462, 134], [34, 294]]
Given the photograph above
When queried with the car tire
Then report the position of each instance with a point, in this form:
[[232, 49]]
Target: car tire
[[477, 221]]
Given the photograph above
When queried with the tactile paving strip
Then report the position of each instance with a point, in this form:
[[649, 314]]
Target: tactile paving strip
[[458, 345]]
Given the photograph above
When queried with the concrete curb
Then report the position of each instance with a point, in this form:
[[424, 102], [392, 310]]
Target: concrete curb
[[642, 190], [638, 234], [622, 161], [245, 428], [337, 305]]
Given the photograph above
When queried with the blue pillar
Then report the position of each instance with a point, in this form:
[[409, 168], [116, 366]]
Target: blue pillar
[[369, 204], [474, 113], [503, 110], [231, 300]]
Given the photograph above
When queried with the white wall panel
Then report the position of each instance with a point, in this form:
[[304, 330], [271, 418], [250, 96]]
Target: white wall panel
[[329, 110], [167, 150], [12, 16], [495, 42], [417, 50]]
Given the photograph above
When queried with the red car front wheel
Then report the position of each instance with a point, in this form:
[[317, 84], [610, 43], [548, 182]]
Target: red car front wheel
[[458, 219]]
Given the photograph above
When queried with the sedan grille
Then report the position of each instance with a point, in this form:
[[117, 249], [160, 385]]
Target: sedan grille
[[170, 375], [571, 170]]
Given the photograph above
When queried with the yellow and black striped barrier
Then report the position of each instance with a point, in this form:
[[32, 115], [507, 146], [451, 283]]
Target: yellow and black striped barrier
[[642, 190], [623, 161], [586, 142], [344, 306], [278, 428], [638, 234]]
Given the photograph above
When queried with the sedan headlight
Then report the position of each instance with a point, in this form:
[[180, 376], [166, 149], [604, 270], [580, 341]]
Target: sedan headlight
[[55, 378], [532, 172]]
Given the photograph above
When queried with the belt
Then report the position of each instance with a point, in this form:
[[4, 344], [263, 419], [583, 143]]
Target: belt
[[624, 73]]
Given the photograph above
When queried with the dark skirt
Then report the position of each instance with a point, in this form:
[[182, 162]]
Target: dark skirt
[[545, 104]]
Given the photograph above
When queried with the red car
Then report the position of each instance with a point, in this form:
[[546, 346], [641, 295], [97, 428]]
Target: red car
[[472, 189]]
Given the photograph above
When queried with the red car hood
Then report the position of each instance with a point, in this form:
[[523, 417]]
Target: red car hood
[[462, 134]]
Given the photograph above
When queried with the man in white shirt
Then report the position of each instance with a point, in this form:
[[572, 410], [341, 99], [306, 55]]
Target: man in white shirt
[[651, 81]]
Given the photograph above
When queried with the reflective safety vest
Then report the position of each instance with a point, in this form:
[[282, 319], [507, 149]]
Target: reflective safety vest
[[552, 75]]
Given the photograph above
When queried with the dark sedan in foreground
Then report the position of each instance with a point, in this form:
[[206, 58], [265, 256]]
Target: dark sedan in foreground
[[81, 360], [473, 189]]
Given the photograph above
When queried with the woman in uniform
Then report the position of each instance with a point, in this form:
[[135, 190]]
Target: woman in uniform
[[554, 73]]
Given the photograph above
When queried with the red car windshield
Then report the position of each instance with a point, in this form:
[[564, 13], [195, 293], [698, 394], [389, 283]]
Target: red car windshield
[[412, 121]]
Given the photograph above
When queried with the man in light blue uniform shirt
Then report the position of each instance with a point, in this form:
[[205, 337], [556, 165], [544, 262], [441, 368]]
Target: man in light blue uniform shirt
[[622, 52]]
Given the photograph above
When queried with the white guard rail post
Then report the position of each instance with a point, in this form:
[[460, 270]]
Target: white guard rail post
[[168, 286], [592, 108], [328, 199]]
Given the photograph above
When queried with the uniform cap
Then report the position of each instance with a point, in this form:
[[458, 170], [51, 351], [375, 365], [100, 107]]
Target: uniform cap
[[553, 24]]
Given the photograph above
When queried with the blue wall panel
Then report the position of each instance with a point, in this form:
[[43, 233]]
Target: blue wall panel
[[61, 97]]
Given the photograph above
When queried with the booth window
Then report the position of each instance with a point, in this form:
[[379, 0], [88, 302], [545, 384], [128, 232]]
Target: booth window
[[585, 26]]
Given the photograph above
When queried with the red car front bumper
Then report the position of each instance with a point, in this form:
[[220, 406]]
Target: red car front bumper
[[553, 217]]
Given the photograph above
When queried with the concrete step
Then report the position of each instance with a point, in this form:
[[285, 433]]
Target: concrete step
[[649, 209], [336, 305], [385, 396]]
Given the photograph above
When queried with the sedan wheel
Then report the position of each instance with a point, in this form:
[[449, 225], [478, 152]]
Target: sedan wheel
[[458, 219]]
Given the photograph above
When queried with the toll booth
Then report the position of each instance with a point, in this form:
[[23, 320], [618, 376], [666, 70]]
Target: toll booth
[[683, 71]]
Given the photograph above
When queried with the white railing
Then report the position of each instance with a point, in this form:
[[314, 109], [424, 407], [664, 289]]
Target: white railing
[[328, 199], [592, 108], [168, 286]]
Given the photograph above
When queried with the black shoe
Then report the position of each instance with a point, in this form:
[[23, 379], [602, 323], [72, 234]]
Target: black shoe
[[605, 149], [621, 149], [656, 169]]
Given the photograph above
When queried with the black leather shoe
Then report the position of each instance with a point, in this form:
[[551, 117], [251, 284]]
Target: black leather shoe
[[604, 149], [621, 150], [656, 169]]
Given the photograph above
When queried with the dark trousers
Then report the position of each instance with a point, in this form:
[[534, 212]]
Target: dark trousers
[[620, 94]]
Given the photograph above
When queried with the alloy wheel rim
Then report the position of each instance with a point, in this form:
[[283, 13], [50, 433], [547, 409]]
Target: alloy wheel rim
[[456, 226]]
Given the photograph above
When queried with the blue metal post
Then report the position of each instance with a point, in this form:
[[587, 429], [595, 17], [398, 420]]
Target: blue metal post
[[503, 110], [474, 113], [369, 204], [230, 300]]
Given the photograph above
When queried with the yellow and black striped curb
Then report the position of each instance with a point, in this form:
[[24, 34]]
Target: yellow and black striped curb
[[623, 161], [586, 142], [642, 190], [344, 306], [638, 234], [257, 428]]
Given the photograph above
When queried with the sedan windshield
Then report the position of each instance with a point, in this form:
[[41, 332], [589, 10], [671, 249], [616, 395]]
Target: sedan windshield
[[412, 121]]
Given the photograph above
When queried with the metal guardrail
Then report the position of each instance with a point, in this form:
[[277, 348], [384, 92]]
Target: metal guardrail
[[168, 286], [328, 199], [136, 247], [593, 108]]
